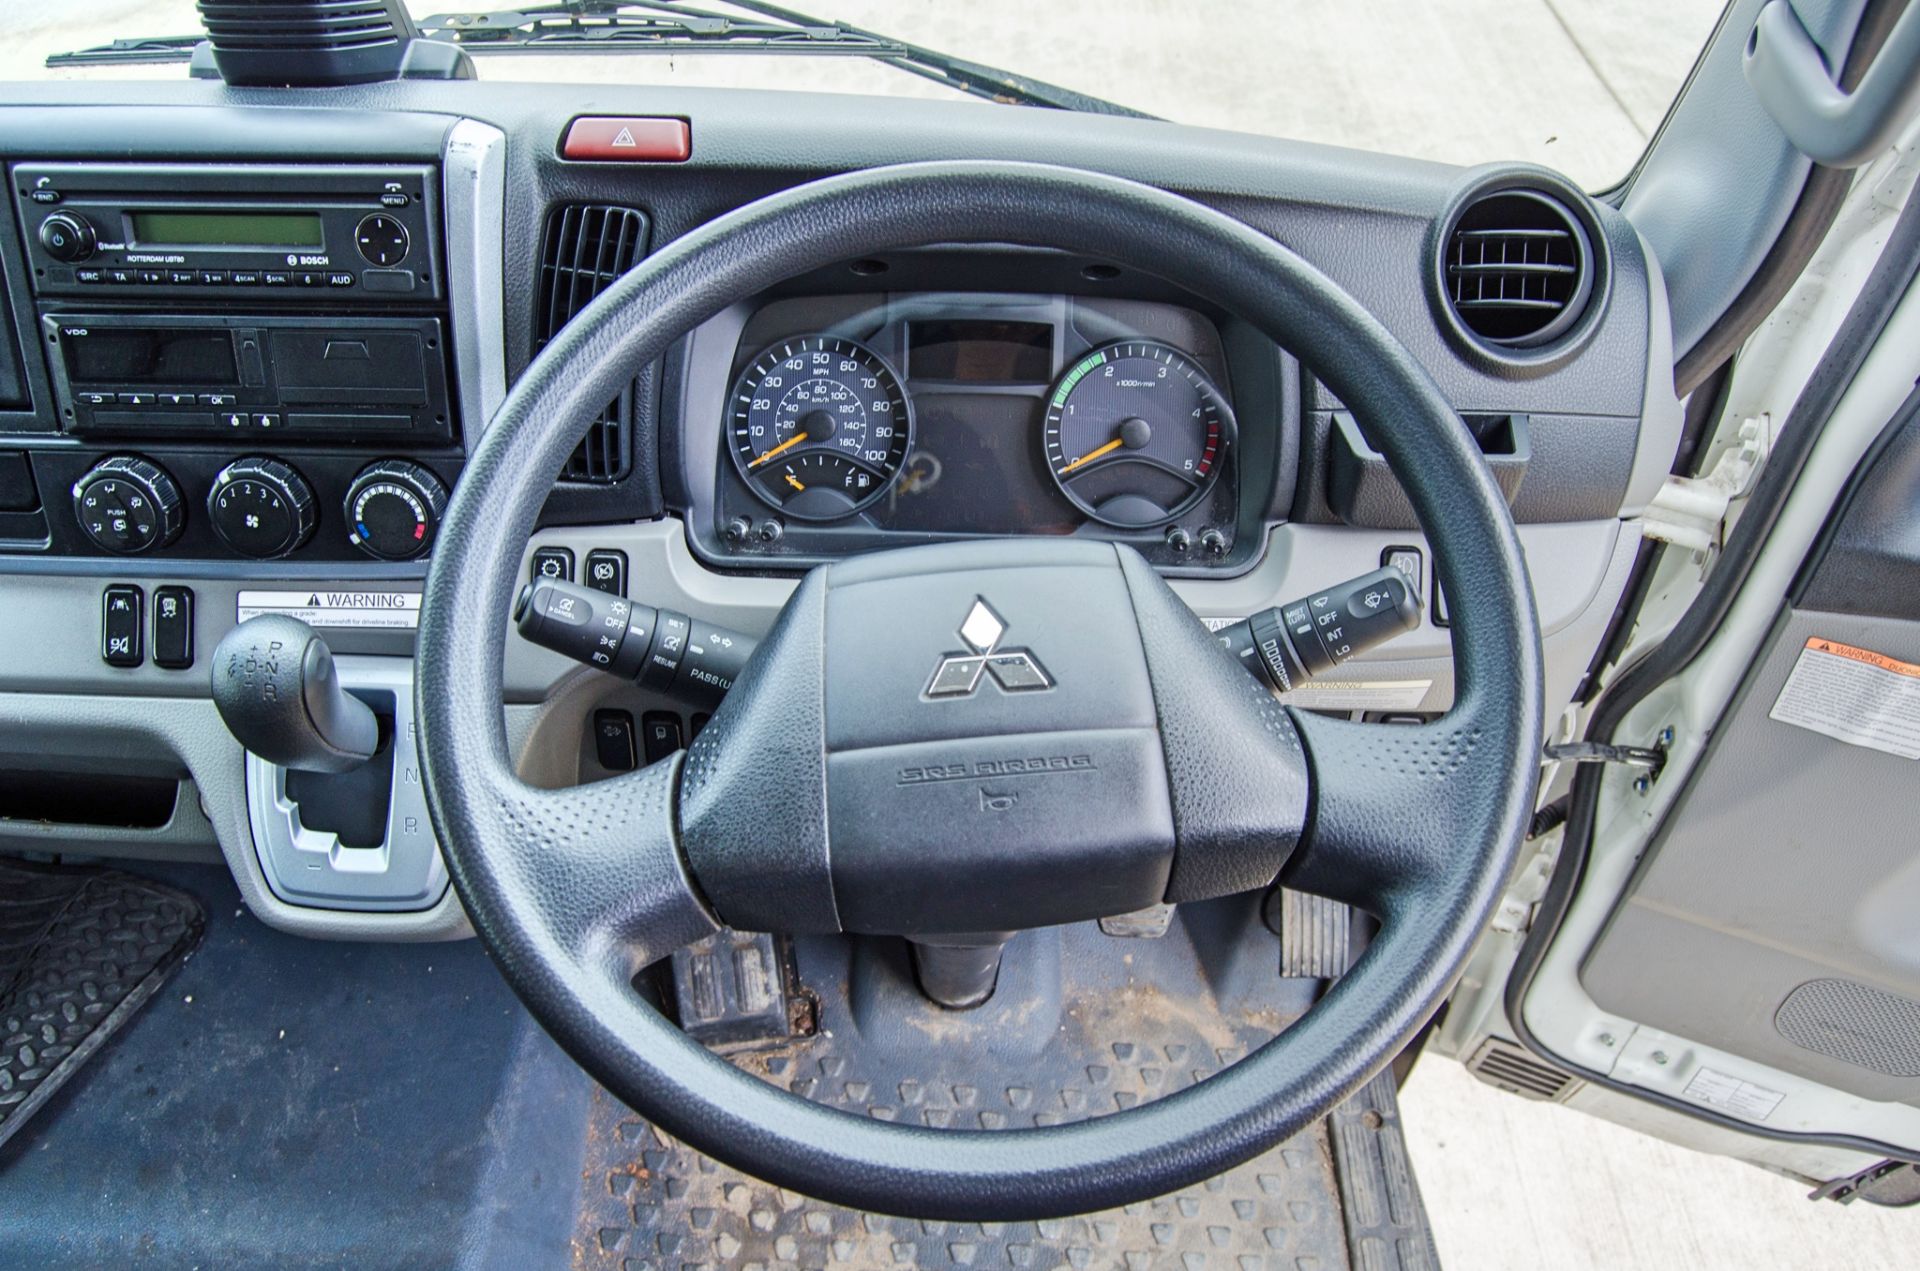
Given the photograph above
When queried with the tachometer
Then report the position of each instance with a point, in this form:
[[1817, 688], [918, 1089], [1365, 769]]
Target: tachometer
[[1136, 433], [820, 426]]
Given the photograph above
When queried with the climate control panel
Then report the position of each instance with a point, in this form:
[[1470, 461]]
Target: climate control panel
[[188, 503]]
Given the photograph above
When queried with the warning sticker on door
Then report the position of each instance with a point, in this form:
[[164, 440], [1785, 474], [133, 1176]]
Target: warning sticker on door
[[1729, 1093], [388, 610], [1854, 695]]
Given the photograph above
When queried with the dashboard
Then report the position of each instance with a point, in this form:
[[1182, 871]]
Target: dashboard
[[249, 337]]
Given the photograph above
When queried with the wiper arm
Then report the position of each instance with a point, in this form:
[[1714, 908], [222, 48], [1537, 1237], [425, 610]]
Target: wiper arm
[[969, 77], [603, 26]]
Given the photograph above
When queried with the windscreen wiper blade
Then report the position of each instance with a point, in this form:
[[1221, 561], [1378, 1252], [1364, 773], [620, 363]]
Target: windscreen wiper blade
[[663, 26]]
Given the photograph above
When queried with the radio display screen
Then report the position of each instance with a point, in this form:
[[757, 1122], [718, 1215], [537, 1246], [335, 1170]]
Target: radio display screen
[[226, 229], [150, 355]]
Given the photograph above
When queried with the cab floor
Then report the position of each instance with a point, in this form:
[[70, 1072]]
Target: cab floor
[[305, 1103]]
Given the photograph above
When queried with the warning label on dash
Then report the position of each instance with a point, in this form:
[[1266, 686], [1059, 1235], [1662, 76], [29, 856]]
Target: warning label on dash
[[389, 610], [1854, 695]]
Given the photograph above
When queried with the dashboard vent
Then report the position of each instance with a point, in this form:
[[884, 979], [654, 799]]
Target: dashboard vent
[[1518, 269], [588, 247]]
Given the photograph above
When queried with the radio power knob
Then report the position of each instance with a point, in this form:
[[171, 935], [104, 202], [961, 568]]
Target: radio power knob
[[67, 237], [261, 507], [393, 509], [127, 505]]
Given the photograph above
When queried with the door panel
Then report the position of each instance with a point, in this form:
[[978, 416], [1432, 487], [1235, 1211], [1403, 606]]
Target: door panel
[[1778, 914]]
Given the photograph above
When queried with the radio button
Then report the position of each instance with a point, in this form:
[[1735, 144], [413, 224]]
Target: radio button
[[382, 240], [245, 277], [177, 401], [219, 401], [341, 280], [213, 277], [44, 195], [152, 276], [89, 275], [386, 200], [67, 237], [277, 278], [235, 419], [137, 399], [122, 277], [95, 399], [396, 280], [266, 421], [184, 277]]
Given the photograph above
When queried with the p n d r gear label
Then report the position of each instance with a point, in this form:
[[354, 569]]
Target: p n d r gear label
[[1853, 695]]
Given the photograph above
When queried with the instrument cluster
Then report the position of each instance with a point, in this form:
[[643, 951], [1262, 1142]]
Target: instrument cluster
[[859, 422]]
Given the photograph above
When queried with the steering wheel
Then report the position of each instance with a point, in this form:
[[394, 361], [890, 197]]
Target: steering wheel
[[832, 792]]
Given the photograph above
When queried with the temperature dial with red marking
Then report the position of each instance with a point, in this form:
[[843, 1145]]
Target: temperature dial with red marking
[[393, 508]]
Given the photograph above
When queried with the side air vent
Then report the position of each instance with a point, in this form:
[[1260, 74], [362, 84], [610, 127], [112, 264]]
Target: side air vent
[[588, 247], [1500, 1063], [1517, 269]]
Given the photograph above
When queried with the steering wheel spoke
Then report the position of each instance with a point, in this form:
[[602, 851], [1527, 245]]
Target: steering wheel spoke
[[601, 864], [1394, 807]]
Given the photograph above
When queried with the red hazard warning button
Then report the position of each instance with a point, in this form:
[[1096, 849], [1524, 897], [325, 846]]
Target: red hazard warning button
[[627, 139]]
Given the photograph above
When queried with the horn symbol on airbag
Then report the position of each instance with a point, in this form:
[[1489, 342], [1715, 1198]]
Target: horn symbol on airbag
[[1014, 670]]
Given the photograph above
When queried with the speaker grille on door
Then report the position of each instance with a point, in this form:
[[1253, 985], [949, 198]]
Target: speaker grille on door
[[1854, 1023]]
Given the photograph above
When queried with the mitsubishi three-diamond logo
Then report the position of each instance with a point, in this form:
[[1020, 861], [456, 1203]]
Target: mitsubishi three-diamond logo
[[1014, 670]]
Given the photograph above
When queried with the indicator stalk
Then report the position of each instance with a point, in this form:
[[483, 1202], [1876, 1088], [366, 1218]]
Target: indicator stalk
[[1286, 647], [694, 663]]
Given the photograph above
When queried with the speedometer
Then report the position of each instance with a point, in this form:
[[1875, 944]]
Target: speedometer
[[820, 426], [1136, 433]]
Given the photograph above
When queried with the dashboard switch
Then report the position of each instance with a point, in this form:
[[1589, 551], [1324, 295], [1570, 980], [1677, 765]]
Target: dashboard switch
[[694, 663], [120, 622], [613, 740], [628, 139], [1409, 561], [555, 563], [606, 570], [659, 734], [1288, 646], [173, 627]]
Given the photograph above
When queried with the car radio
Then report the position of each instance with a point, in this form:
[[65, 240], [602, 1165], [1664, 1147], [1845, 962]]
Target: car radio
[[254, 234], [309, 379]]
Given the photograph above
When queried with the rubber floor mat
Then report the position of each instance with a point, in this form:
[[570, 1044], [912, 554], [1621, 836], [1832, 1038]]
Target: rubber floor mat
[[81, 950], [650, 1203]]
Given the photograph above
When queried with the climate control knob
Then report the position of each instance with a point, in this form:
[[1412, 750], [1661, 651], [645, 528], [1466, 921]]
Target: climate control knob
[[126, 504], [261, 507], [67, 237], [393, 509]]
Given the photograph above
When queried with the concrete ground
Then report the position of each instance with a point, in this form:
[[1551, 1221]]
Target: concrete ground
[[1579, 85]]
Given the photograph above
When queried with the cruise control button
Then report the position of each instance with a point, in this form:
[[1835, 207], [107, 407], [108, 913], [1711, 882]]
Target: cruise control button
[[120, 625]]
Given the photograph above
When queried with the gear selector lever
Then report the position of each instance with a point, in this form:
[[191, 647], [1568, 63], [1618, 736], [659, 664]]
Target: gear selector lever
[[275, 685]]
